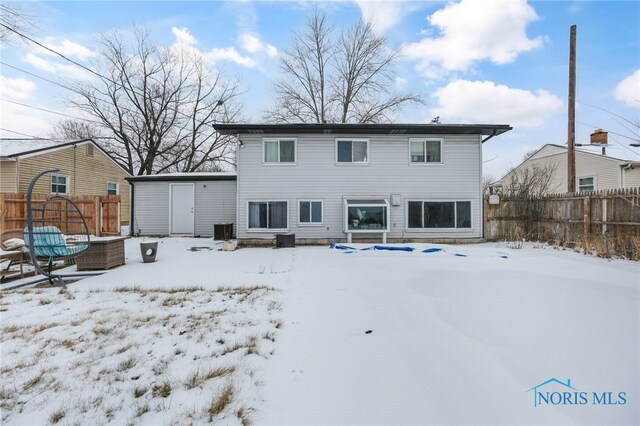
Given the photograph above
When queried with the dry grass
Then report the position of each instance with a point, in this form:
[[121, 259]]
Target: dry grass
[[219, 403], [138, 391], [162, 390], [197, 378], [34, 380], [127, 364], [56, 416]]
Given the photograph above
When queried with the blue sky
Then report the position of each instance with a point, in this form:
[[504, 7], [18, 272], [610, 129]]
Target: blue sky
[[489, 61]]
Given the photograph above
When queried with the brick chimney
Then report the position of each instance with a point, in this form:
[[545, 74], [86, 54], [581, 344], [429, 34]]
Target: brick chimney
[[599, 137]]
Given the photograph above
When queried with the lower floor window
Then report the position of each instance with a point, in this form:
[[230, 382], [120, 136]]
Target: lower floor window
[[310, 212], [268, 215], [367, 215], [586, 184], [439, 214]]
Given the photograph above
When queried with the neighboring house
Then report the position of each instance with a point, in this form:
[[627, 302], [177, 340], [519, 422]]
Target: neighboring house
[[85, 169], [182, 203], [594, 171], [337, 181]]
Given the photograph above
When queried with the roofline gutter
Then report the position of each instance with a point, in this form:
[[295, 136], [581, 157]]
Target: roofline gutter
[[490, 136]]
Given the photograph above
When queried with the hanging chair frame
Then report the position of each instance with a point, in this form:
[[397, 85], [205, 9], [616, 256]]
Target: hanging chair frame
[[49, 275]]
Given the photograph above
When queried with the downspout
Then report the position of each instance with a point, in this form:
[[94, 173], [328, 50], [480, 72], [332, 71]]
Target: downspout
[[75, 181], [238, 184], [131, 209]]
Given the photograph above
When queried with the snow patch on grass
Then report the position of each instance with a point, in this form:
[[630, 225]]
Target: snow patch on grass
[[132, 355]]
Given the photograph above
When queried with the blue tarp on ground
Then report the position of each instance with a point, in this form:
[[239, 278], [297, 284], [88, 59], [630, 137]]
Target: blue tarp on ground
[[460, 255], [340, 247], [393, 248], [432, 250]]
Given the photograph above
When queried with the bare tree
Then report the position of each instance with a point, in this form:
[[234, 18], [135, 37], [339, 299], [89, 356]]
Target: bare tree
[[532, 181], [158, 105], [344, 79], [13, 19], [487, 180], [74, 129]]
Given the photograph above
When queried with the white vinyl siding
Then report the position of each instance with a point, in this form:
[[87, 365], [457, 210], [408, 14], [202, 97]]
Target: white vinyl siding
[[215, 202], [388, 171]]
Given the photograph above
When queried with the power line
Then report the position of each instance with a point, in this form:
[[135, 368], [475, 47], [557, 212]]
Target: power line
[[49, 111], [38, 76], [608, 131], [19, 133], [609, 112]]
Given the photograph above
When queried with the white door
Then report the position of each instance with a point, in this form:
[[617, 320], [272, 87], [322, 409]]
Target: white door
[[182, 208]]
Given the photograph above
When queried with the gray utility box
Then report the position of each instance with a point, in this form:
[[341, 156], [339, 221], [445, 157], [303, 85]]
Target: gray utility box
[[285, 240], [223, 231]]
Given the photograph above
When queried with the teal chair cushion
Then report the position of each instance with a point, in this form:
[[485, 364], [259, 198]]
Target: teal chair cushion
[[48, 242]]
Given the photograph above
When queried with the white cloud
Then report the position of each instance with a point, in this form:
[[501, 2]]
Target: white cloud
[[16, 88], [401, 82], [229, 54], [382, 15], [56, 68], [183, 36], [473, 31], [67, 48], [253, 45], [24, 120], [486, 101], [628, 90]]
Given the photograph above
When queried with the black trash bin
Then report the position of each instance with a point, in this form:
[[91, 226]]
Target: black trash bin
[[285, 240], [223, 231]]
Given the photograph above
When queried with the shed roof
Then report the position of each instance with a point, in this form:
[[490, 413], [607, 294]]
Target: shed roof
[[184, 177], [376, 129]]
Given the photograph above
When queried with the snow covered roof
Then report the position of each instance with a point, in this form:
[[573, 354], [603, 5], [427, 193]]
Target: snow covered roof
[[16, 147], [185, 176]]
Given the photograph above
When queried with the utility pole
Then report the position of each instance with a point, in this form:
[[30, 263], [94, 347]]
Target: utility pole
[[571, 131]]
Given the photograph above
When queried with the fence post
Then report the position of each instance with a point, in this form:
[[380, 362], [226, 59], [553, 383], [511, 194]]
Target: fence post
[[604, 216], [3, 212], [587, 215], [97, 215]]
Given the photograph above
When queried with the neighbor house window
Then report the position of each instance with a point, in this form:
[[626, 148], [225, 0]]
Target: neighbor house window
[[279, 151], [352, 150], [439, 214], [425, 150], [59, 184], [367, 215], [112, 188], [89, 150], [268, 215], [310, 212], [586, 184]]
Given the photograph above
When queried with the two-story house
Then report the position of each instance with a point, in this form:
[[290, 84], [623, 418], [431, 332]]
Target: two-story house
[[337, 182]]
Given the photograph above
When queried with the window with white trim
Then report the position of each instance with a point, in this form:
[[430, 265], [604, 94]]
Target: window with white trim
[[352, 151], [425, 151], [438, 214], [113, 188], [59, 184], [279, 151], [586, 184], [367, 215], [268, 215], [310, 212]]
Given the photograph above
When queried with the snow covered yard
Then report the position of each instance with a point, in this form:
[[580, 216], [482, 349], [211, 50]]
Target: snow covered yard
[[456, 336]]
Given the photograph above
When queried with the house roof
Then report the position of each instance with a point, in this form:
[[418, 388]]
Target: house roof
[[16, 148], [376, 129], [583, 151], [184, 177]]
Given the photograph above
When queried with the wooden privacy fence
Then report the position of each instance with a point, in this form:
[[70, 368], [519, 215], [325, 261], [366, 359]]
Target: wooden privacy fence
[[601, 220], [101, 212]]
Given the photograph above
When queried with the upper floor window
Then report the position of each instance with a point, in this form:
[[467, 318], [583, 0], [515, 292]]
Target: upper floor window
[[426, 150], [352, 150], [112, 188], [586, 184], [59, 184], [89, 150], [279, 151]]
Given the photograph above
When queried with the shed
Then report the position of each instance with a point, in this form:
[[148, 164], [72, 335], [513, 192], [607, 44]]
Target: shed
[[188, 204]]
